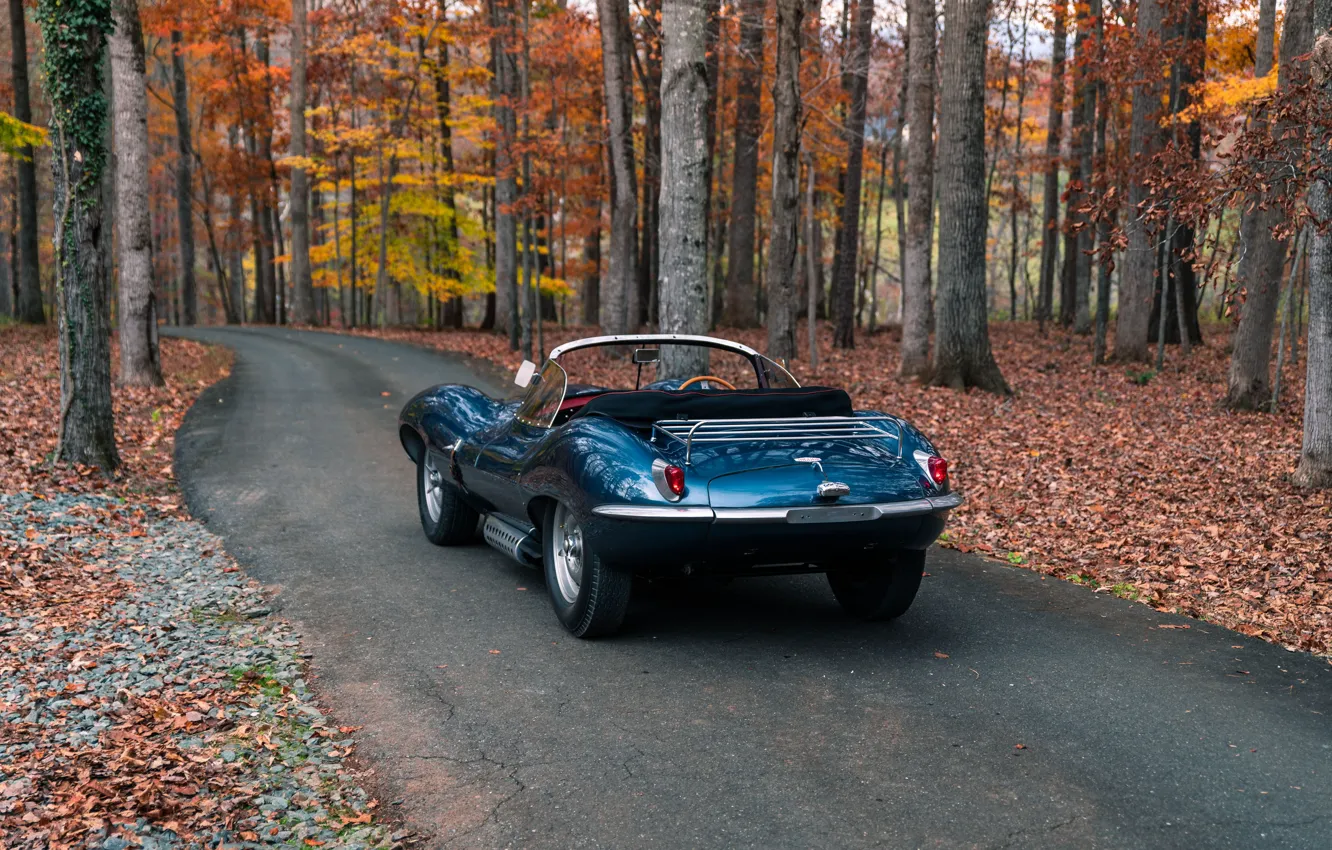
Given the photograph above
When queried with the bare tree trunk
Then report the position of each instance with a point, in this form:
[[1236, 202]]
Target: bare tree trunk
[[844, 273], [506, 175], [1315, 469], [1137, 283], [1262, 254], [682, 235], [642, 299], [75, 52], [920, 191], [140, 364], [1055, 126], [620, 272], [184, 184], [302, 288], [1104, 225], [28, 307], [962, 356], [592, 282], [744, 176], [783, 254], [1078, 260]]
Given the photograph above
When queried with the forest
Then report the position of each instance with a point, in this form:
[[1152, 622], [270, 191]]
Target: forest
[[1149, 175]]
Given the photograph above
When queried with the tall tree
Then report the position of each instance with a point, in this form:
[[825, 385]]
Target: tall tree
[[1055, 127], [962, 355], [783, 250], [140, 364], [28, 306], [920, 190], [616, 42], [741, 309], [683, 236], [506, 170], [848, 231], [184, 183], [1076, 276], [302, 288], [1248, 386], [1315, 467], [1137, 283], [74, 32]]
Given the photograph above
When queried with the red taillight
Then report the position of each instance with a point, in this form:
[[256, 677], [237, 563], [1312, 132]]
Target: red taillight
[[675, 479], [938, 469]]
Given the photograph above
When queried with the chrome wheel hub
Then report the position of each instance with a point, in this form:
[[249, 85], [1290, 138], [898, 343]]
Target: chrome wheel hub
[[434, 489], [567, 554]]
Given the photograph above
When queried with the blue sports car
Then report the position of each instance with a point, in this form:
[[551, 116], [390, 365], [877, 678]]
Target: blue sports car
[[739, 471]]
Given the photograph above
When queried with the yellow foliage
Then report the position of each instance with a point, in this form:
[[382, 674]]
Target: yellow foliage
[[1227, 95]]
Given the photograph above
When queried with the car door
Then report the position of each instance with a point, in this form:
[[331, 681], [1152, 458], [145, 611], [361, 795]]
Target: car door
[[506, 450]]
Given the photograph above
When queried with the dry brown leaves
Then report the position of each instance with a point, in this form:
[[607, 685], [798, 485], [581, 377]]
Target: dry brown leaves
[[146, 417], [1148, 491]]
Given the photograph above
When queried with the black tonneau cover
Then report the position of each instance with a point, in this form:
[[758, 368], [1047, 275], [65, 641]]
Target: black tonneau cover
[[648, 406]]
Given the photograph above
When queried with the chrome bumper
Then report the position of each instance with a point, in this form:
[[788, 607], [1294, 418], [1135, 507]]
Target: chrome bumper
[[796, 516]]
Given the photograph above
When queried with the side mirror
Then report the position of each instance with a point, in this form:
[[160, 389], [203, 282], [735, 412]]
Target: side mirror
[[525, 373]]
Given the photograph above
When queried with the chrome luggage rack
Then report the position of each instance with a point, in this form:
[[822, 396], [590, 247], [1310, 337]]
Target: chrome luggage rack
[[791, 429]]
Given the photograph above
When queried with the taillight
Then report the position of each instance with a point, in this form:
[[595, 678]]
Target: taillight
[[669, 479], [938, 469], [675, 479]]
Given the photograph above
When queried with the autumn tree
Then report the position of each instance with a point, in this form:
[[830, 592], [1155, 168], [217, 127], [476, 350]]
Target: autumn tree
[[848, 230], [919, 242], [783, 252], [683, 228], [28, 306], [140, 363], [1054, 128], [1137, 287], [1248, 386], [1315, 466], [616, 43], [962, 356], [302, 293], [75, 33], [741, 309]]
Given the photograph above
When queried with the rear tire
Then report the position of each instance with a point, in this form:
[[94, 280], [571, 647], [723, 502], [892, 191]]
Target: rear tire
[[590, 597], [446, 519], [880, 592]]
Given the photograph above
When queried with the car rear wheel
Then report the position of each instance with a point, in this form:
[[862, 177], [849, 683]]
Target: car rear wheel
[[446, 519], [882, 591], [590, 597]]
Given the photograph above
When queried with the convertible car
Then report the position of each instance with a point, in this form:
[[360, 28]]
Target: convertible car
[[734, 471]]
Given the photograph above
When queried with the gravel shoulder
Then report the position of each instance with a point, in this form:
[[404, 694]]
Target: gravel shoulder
[[150, 696]]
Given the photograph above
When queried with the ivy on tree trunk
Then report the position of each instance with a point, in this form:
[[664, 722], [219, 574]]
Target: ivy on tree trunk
[[75, 32]]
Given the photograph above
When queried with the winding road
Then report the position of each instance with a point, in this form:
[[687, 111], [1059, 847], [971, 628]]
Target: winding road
[[1003, 711]]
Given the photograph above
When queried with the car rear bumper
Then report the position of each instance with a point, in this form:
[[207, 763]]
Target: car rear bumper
[[804, 515], [663, 540]]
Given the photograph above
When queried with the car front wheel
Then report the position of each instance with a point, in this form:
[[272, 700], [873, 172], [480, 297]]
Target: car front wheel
[[590, 597], [446, 519], [881, 591]]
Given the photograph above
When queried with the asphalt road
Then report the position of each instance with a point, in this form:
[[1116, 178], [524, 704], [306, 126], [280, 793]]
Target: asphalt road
[[1002, 711]]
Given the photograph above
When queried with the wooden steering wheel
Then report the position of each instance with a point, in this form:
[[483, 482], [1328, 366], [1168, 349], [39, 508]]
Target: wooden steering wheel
[[713, 378]]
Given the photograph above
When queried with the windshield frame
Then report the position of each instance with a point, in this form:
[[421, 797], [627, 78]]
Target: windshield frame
[[756, 360]]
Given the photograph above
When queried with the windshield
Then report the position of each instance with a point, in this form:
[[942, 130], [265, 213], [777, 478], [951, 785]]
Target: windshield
[[630, 366]]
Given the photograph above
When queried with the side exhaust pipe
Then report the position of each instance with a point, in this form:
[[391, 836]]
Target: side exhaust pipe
[[512, 540]]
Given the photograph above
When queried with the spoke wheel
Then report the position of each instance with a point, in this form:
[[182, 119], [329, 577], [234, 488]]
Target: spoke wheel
[[567, 554]]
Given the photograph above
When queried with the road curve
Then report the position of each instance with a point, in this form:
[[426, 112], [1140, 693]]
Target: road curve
[[1002, 711]]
